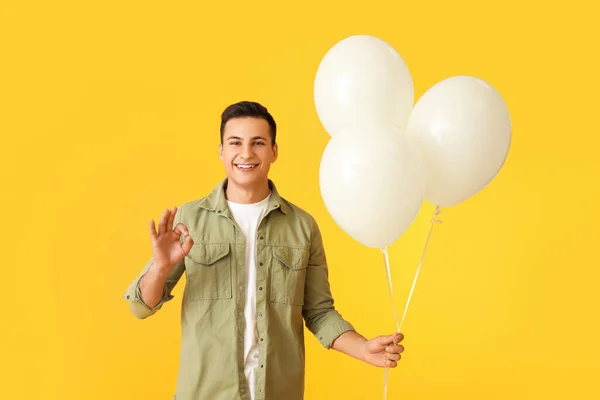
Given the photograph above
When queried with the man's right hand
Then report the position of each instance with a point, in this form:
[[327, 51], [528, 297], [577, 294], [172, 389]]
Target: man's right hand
[[167, 250]]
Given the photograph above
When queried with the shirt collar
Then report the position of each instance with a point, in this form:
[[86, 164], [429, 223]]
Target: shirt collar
[[216, 200]]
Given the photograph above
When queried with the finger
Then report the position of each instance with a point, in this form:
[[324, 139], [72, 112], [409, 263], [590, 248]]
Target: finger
[[394, 357], [181, 229], [162, 224], [385, 340], [391, 364], [395, 348], [398, 337], [187, 245], [171, 218], [152, 229]]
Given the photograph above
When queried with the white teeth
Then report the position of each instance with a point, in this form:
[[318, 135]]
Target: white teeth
[[246, 166]]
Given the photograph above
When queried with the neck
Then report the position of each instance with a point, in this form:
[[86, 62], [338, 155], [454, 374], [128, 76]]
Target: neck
[[246, 195]]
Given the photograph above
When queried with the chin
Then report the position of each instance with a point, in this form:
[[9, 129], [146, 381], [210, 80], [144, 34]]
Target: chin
[[246, 180]]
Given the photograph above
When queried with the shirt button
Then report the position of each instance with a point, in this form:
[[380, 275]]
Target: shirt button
[[260, 315], [261, 238], [262, 366], [261, 339], [261, 264], [127, 296], [260, 288], [218, 211]]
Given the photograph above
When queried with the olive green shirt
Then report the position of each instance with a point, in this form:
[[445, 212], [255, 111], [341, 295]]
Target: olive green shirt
[[291, 287]]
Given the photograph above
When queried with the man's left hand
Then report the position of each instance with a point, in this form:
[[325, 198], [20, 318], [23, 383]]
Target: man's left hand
[[383, 351]]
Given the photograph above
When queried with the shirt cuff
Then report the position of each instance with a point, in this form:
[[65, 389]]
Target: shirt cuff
[[134, 296], [328, 333]]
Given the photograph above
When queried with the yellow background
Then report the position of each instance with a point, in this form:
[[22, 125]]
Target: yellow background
[[110, 112]]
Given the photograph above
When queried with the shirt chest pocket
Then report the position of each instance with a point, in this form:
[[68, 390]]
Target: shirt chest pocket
[[288, 275], [208, 271]]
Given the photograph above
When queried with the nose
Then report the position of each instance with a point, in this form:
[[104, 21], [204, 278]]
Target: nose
[[246, 150]]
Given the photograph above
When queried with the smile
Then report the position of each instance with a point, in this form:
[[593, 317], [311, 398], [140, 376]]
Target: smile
[[246, 167]]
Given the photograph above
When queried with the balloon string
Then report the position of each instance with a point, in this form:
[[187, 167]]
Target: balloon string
[[434, 220], [386, 261]]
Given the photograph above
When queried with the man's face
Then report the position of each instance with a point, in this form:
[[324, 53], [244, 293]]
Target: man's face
[[247, 151]]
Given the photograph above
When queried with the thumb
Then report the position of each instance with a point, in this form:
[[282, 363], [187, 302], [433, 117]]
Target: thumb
[[385, 340], [381, 342], [188, 243]]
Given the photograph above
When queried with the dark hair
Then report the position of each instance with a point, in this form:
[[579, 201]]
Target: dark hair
[[248, 109]]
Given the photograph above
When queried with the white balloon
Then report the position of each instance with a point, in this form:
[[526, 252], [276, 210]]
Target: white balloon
[[372, 184], [463, 129], [362, 80]]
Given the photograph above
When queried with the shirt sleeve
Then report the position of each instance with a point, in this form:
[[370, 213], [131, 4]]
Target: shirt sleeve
[[133, 293], [321, 317]]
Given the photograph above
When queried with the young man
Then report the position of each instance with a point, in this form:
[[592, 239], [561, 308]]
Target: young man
[[255, 269]]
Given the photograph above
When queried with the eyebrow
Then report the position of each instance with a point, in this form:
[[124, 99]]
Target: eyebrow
[[239, 138]]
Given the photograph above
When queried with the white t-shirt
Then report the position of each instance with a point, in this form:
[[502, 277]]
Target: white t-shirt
[[248, 217]]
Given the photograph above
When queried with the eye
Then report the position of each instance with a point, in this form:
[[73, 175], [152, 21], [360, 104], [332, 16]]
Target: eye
[[234, 143], [259, 143]]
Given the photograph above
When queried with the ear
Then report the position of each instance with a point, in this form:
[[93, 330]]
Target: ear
[[275, 152], [221, 152]]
